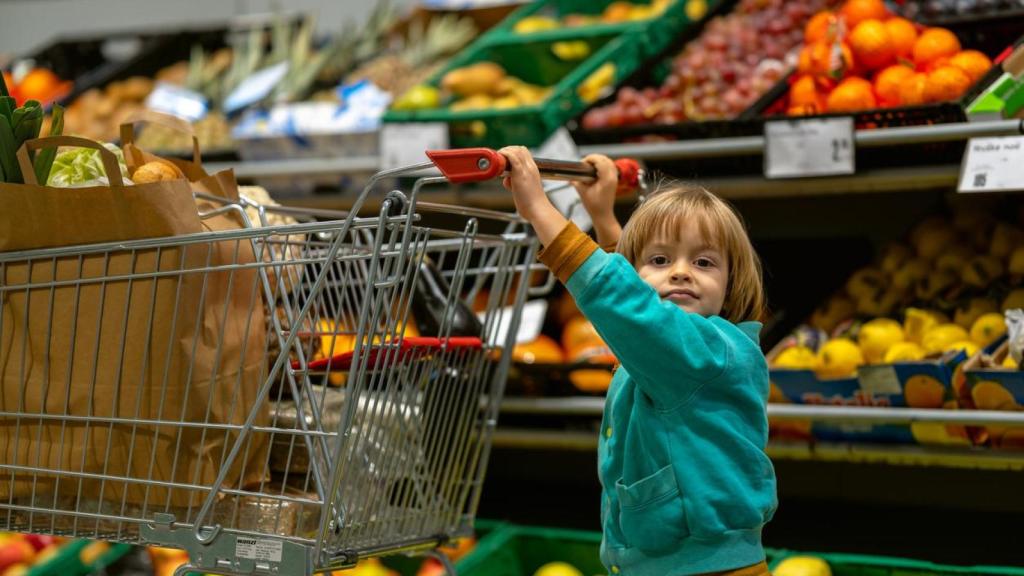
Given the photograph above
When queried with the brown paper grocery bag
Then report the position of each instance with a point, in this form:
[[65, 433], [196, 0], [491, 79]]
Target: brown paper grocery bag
[[222, 184], [113, 349]]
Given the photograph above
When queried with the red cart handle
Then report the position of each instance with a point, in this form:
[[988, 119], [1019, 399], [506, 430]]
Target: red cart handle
[[480, 164]]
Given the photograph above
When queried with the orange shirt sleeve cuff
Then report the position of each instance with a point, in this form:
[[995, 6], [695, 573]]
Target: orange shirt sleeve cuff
[[567, 252]]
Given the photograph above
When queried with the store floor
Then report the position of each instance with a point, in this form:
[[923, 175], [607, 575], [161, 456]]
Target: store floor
[[950, 516]]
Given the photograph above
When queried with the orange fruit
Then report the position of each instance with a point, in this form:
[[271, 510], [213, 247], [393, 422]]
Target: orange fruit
[[903, 34], [934, 43], [851, 95], [39, 84], [821, 26], [804, 95], [856, 11], [946, 83], [912, 90], [888, 83], [823, 58], [974, 63], [871, 45]]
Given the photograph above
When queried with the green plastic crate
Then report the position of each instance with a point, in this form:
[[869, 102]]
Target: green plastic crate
[[535, 63], [653, 33], [863, 565], [530, 57], [521, 550]]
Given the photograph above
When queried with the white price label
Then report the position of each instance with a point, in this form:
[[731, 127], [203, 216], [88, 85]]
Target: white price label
[[808, 147], [255, 87], [993, 165], [262, 549], [530, 323], [406, 144], [177, 101], [879, 380], [560, 146]]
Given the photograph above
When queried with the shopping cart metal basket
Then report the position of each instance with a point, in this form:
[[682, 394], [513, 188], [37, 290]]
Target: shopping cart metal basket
[[383, 346]]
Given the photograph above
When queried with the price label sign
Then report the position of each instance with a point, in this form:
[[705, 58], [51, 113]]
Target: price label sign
[[993, 165], [561, 146], [406, 144], [177, 101], [255, 88], [809, 147]]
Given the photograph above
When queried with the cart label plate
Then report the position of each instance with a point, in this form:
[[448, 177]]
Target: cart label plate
[[263, 549]]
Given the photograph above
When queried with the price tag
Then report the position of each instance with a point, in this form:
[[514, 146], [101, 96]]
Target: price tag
[[560, 146], [530, 323], [255, 87], [879, 380], [177, 101], [808, 147], [406, 144], [993, 165]]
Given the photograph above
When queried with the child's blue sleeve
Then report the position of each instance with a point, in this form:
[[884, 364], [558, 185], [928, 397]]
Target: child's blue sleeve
[[670, 352]]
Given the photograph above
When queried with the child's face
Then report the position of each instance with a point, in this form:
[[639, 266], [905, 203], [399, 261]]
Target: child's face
[[686, 271]]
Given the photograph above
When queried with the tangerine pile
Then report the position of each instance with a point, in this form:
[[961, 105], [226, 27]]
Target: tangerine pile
[[862, 57]]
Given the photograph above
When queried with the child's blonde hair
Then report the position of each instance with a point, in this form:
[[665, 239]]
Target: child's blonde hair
[[667, 212]]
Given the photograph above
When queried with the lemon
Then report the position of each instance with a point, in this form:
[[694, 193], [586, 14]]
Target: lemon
[[904, 352], [834, 311], [939, 338], [571, 50], [1009, 362], [987, 328], [926, 226], [419, 97], [1005, 238], [1014, 300], [802, 566], [894, 256], [954, 259], [935, 284], [969, 348], [917, 322], [1016, 264], [532, 24], [877, 336], [866, 282], [981, 271], [967, 315], [557, 569], [931, 243], [910, 273], [880, 304], [839, 358], [797, 358]]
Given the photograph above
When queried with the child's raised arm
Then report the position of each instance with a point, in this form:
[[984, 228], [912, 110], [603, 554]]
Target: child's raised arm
[[599, 199], [528, 192]]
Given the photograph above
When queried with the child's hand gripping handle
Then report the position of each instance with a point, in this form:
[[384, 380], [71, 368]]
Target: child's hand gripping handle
[[480, 164]]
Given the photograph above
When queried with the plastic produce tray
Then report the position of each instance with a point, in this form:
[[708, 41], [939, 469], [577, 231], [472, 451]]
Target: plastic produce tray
[[862, 565], [530, 58]]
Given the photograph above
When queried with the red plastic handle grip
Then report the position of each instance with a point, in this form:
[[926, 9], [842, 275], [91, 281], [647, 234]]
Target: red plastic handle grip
[[629, 175], [468, 164]]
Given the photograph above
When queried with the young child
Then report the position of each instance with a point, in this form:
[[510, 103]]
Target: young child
[[687, 486]]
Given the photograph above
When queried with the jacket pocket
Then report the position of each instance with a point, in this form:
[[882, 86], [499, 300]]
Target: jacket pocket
[[651, 512]]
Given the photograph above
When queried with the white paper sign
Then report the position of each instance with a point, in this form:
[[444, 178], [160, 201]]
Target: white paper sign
[[560, 146], [802, 148], [255, 87], [530, 323], [177, 101], [406, 144], [993, 165]]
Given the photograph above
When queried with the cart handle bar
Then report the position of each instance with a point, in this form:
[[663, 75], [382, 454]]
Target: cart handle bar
[[480, 164], [419, 345]]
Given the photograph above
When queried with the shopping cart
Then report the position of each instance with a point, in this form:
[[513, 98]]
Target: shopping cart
[[381, 347]]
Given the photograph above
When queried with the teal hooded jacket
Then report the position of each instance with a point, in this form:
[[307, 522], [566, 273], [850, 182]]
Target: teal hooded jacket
[[686, 484]]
